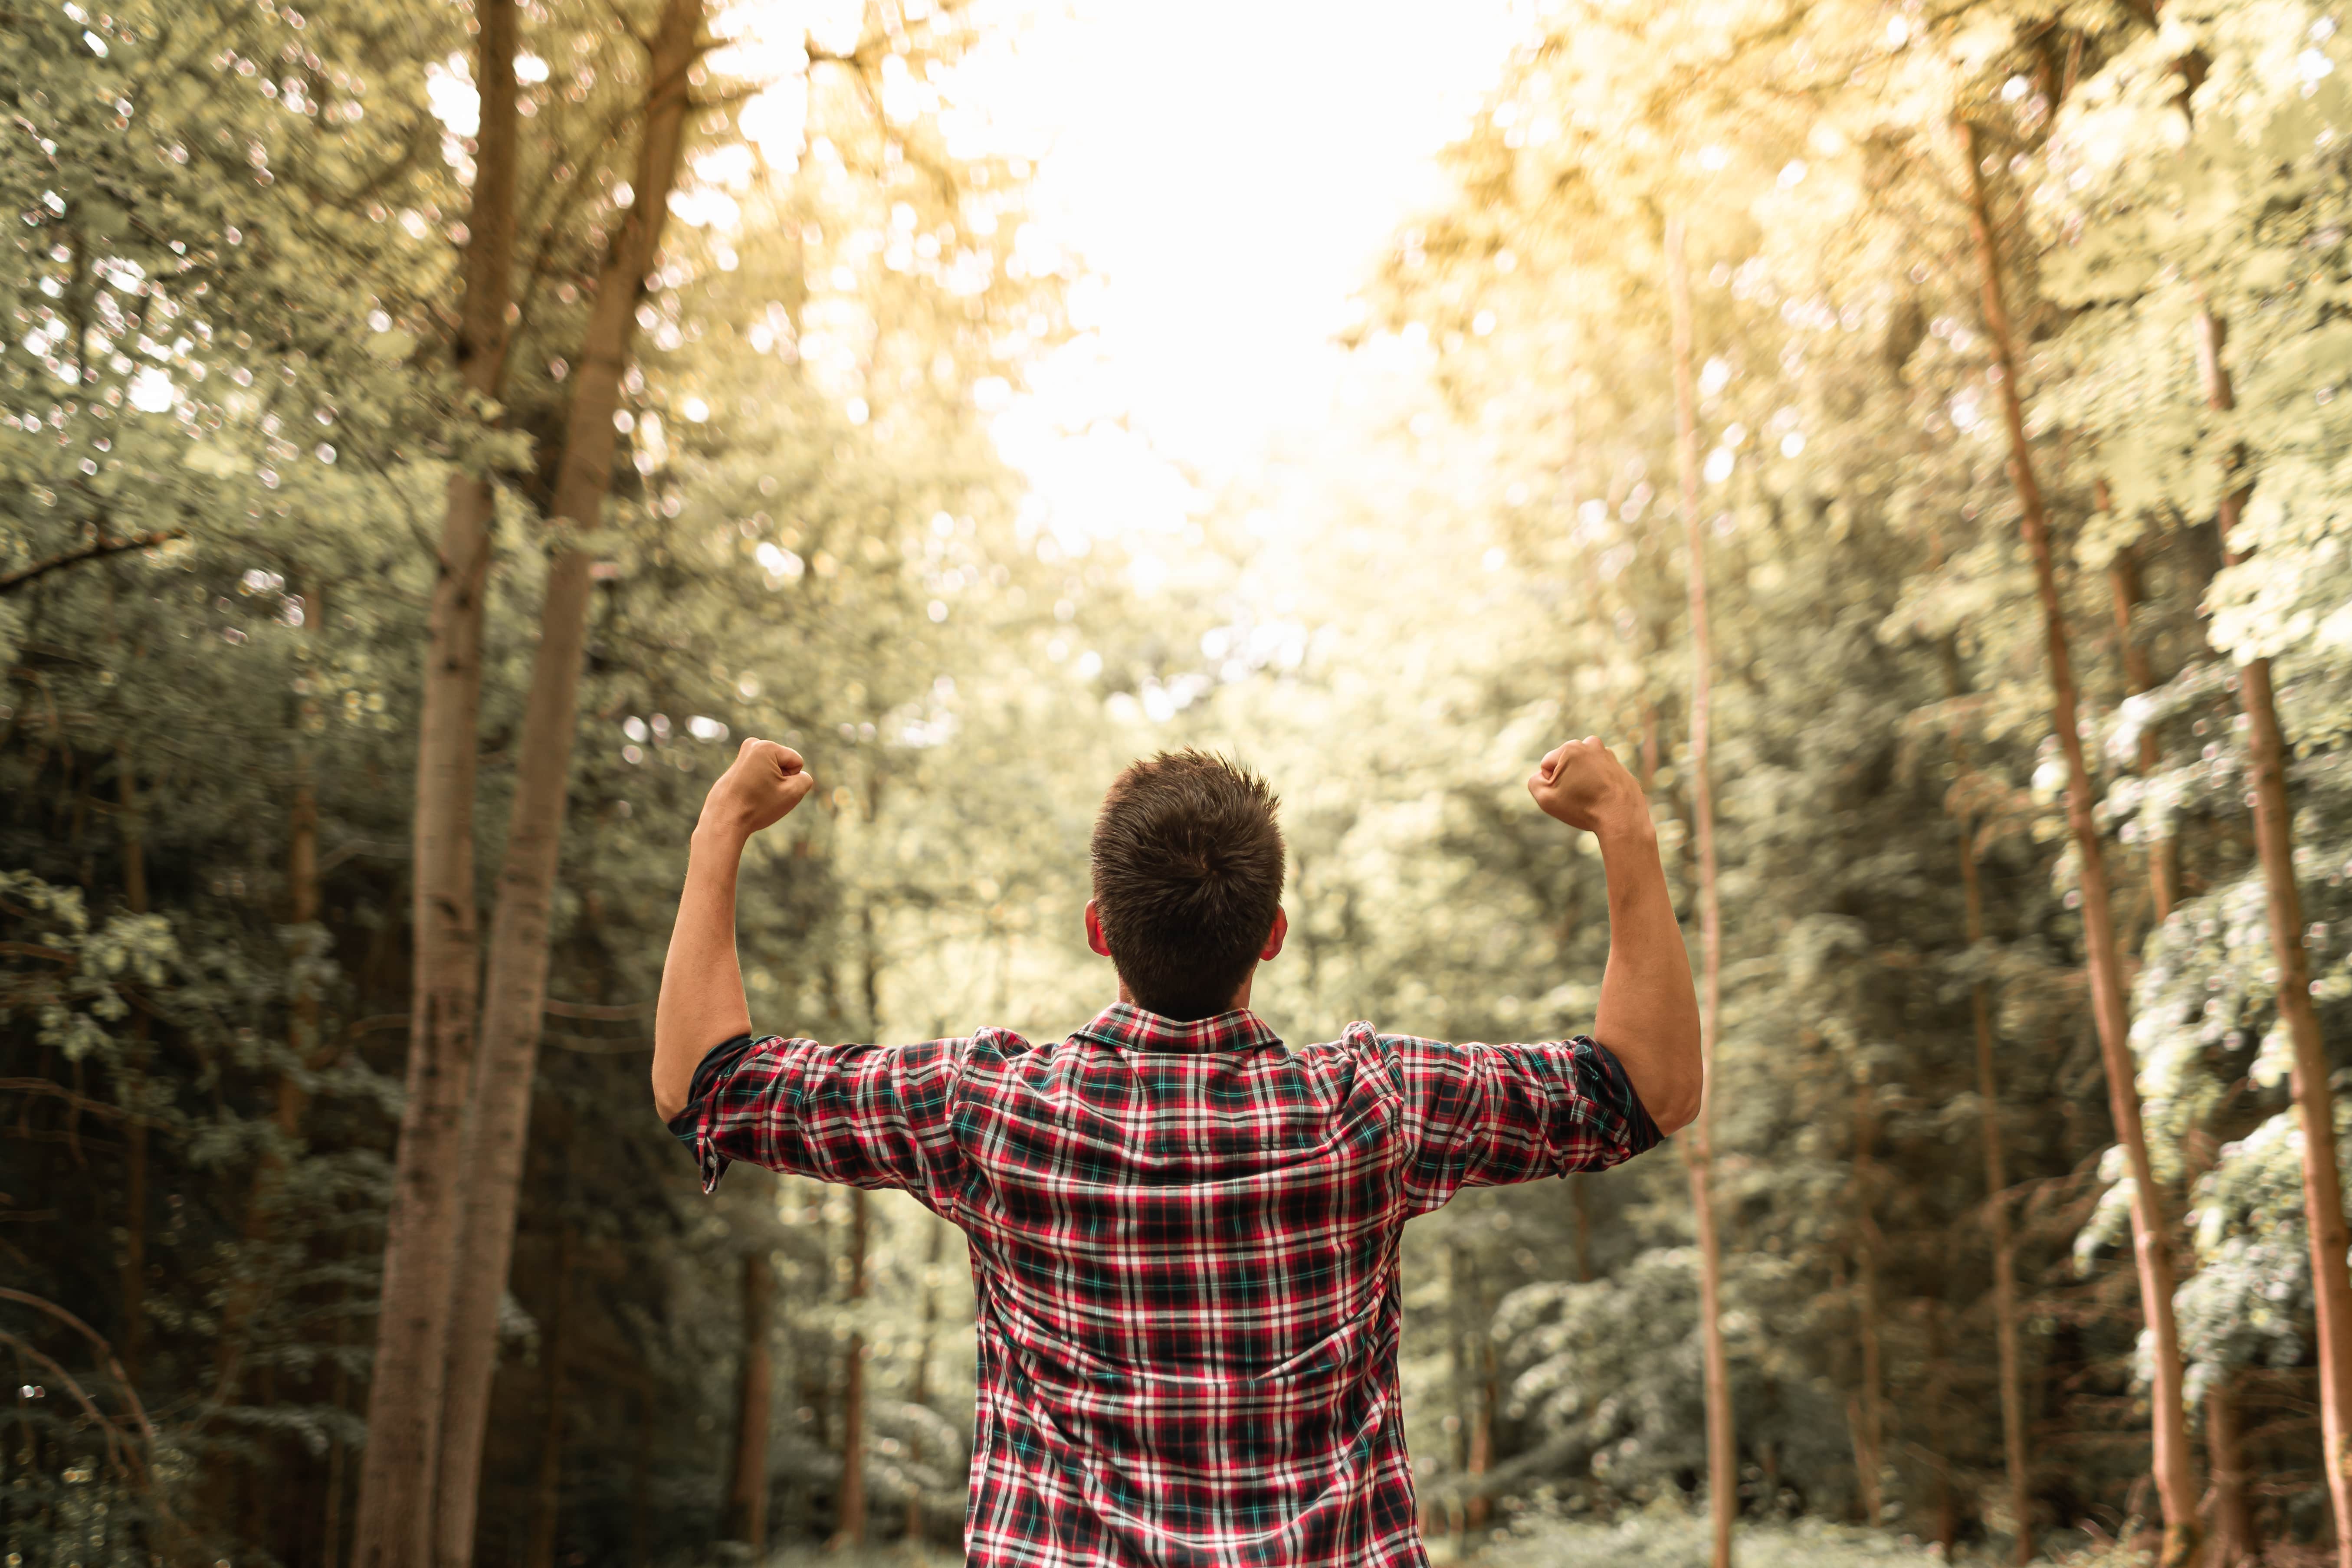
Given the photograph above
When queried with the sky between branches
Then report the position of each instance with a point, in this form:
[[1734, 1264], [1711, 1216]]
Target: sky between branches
[[1224, 170]]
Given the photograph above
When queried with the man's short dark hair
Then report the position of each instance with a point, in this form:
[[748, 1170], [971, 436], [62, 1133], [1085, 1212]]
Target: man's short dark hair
[[1188, 880]]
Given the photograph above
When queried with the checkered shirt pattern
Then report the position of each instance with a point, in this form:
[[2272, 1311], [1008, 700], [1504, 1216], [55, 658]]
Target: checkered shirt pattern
[[1184, 1248]]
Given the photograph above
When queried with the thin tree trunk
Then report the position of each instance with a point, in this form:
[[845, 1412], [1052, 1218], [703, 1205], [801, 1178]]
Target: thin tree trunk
[[1481, 1507], [333, 1550], [747, 1474], [2175, 1480], [2139, 675], [918, 1391], [134, 1214], [257, 1492], [1457, 1383], [641, 1481], [851, 1529], [133, 1339], [1722, 1446], [134, 838], [547, 1490], [2004, 1249], [498, 1134], [816, 1369], [2235, 1537], [2232, 1536], [1869, 1418], [398, 1465], [1939, 1386], [1474, 1383], [2323, 1186]]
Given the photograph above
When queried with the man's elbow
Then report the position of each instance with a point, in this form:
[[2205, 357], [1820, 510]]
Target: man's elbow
[[1678, 1111], [1681, 1098], [668, 1100]]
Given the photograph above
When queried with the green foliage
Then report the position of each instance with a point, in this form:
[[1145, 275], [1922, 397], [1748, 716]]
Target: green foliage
[[230, 420]]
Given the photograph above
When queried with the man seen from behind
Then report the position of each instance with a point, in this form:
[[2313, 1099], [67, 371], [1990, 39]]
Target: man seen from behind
[[1184, 1234]]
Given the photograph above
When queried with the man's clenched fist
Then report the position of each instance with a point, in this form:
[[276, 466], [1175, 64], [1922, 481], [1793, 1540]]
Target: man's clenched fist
[[766, 781], [1584, 785]]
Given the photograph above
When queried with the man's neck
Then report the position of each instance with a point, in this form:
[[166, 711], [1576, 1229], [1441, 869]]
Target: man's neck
[[1240, 1004]]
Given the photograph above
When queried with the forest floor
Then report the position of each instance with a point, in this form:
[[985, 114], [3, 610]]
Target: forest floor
[[1665, 1540], [1659, 1539], [1645, 1541]]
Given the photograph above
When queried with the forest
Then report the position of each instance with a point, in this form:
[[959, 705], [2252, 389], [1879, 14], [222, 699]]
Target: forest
[[432, 437]]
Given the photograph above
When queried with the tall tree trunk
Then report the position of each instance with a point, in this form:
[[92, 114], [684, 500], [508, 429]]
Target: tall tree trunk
[[1458, 1394], [1869, 1416], [2004, 1249], [2232, 1534], [2176, 1482], [1486, 1396], [1940, 1388], [1580, 1200], [1722, 1446], [816, 1369], [851, 1529], [918, 1391], [746, 1473], [133, 1343], [641, 1481], [135, 837], [331, 1551], [498, 1132], [1474, 1383], [394, 1525], [547, 1489], [292, 1101], [2235, 1537], [2323, 1186], [2139, 675]]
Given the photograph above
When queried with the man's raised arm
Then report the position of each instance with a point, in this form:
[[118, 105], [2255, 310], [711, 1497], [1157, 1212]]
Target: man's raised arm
[[1649, 1010], [701, 1003]]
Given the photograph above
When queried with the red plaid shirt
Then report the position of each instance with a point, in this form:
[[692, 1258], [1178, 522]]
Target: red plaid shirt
[[1184, 1248]]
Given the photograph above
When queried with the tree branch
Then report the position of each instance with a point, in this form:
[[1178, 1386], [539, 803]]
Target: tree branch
[[12, 581]]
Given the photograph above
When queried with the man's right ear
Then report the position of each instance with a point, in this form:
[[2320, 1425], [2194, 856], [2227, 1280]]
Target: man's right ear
[[1272, 948], [1094, 930]]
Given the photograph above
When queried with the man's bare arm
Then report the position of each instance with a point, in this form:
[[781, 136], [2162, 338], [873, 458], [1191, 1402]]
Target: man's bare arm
[[701, 1003], [1649, 1009]]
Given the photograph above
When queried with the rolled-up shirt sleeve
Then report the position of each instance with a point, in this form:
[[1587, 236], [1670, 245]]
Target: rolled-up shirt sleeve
[[864, 1116], [1483, 1116]]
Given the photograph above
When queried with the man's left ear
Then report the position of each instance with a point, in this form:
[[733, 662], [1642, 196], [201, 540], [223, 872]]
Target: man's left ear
[[1273, 938], [1095, 936]]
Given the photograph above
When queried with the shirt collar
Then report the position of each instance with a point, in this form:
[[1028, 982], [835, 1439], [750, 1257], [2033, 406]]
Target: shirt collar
[[1127, 1026]]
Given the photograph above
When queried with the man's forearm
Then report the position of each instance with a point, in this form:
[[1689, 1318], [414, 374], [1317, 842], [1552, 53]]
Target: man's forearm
[[1649, 1010], [701, 1004]]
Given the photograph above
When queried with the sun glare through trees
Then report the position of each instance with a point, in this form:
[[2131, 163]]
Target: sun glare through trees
[[1919, 440]]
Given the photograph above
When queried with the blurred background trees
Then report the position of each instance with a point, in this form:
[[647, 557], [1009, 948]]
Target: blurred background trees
[[295, 304]]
